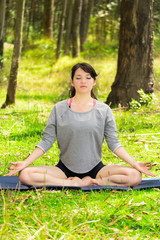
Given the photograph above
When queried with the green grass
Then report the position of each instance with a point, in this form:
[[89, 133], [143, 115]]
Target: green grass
[[77, 215], [47, 214]]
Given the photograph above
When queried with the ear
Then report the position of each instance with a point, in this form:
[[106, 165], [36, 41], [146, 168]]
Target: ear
[[95, 81], [71, 81]]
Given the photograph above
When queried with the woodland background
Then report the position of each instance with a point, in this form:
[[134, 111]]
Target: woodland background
[[95, 28], [121, 40]]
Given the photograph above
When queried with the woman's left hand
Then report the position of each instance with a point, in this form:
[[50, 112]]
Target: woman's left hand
[[144, 167]]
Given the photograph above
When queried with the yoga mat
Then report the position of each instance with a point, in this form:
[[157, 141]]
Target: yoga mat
[[13, 183]]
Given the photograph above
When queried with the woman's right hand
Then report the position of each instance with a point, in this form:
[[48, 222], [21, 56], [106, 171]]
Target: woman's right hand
[[16, 167]]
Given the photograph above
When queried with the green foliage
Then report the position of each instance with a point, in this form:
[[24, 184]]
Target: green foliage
[[157, 45], [93, 49], [144, 100]]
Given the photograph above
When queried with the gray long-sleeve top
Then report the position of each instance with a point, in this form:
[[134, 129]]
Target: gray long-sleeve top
[[80, 135]]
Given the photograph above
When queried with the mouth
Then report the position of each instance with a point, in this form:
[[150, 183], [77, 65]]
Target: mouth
[[83, 86]]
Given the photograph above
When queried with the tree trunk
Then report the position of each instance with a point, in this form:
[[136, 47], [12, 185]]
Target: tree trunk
[[87, 6], [11, 92], [48, 18], [135, 57], [2, 20], [75, 27], [61, 28], [27, 25], [9, 20], [68, 24]]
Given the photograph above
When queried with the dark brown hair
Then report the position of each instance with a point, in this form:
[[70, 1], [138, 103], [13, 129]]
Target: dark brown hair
[[88, 69]]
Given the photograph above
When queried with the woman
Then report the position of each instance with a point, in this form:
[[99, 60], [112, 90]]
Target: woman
[[80, 125]]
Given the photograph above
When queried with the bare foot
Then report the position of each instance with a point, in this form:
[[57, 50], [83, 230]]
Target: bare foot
[[74, 181], [88, 181]]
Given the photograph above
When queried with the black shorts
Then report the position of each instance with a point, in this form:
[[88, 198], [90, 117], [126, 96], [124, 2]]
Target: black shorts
[[92, 173]]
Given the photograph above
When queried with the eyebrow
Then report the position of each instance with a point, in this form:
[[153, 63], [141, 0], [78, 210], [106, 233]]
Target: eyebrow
[[88, 74]]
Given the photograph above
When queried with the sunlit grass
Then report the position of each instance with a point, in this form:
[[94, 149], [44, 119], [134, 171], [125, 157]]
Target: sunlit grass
[[68, 215], [157, 73]]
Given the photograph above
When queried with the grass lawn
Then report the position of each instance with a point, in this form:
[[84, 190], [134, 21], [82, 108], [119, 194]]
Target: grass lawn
[[47, 214]]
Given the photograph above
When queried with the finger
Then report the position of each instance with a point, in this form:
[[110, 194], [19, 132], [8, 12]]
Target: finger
[[149, 166], [13, 163], [9, 174], [12, 173], [150, 174], [12, 168], [148, 163]]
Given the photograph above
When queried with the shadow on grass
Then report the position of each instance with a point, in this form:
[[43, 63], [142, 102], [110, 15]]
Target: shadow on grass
[[45, 97], [24, 135]]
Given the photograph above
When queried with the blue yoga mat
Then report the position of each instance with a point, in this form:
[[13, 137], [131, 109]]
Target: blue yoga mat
[[13, 183]]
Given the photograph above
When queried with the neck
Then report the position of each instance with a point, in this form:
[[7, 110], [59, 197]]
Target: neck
[[83, 98]]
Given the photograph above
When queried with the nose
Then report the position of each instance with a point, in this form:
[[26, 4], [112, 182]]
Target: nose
[[83, 79]]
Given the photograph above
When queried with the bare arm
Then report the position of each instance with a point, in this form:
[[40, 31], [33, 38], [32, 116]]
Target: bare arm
[[143, 167], [124, 155], [34, 155], [18, 166]]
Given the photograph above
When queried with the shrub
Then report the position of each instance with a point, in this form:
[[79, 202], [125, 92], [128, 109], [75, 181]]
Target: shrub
[[144, 100]]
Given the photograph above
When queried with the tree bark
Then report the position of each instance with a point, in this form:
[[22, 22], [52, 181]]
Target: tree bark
[[87, 6], [11, 91], [68, 24], [48, 18], [135, 57], [2, 20], [75, 27], [61, 28]]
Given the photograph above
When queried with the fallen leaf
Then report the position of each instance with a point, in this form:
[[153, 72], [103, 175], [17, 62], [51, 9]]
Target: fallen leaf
[[144, 212], [18, 208], [140, 204], [129, 203], [146, 147], [155, 164]]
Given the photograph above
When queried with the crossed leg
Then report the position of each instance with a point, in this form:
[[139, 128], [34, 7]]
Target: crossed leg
[[116, 175], [43, 175], [51, 175]]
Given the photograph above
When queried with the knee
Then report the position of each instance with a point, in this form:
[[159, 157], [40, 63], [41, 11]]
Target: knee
[[24, 176], [136, 177]]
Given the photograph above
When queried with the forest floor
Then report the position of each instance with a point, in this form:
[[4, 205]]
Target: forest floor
[[48, 214]]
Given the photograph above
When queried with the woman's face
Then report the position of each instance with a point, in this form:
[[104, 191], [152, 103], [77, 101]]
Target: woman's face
[[82, 81]]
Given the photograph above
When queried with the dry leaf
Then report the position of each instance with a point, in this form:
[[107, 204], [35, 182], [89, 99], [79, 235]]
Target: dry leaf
[[146, 147], [155, 164], [140, 204], [129, 203], [18, 208], [144, 212]]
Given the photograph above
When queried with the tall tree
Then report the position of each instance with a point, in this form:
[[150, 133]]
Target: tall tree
[[68, 24], [11, 91], [2, 20], [61, 28], [75, 27], [135, 57], [48, 18], [87, 6]]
